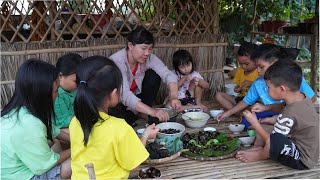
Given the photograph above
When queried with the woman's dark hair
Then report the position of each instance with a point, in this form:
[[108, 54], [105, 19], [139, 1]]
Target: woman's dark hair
[[97, 77], [140, 36], [269, 53], [246, 49], [285, 72], [67, 64], [33, 90], [182, 57]]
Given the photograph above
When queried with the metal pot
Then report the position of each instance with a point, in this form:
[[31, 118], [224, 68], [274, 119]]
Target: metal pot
[[172, 115]]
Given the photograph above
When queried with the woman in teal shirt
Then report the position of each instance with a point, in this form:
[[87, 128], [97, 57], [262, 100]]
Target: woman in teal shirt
[[26, 127], [63, 106]]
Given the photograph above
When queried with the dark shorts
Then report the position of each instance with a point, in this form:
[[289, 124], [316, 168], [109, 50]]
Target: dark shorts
[[188, 99], [259, 115], [283, 150]]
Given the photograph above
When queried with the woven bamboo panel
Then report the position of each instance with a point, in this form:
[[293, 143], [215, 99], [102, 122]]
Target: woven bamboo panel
[[208, 51], [23, 20]]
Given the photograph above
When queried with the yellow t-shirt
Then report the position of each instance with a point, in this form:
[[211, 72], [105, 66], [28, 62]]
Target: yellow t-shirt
[[241, 77], [113, 148]]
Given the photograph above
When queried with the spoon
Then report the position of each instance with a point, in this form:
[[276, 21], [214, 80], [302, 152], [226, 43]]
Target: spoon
[[188, 118]]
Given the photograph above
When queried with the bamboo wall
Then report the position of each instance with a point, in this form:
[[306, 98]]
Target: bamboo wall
[[209, 52], [56, 20]]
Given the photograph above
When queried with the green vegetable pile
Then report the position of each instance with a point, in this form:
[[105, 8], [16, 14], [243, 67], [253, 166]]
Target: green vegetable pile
[[208, 144]]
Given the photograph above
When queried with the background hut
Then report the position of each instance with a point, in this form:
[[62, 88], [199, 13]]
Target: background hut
[[48, 29]]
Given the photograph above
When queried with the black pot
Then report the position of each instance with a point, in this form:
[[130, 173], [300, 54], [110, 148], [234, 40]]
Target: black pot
[[291, 53], [291, 30], [305, 28], [172, 115]]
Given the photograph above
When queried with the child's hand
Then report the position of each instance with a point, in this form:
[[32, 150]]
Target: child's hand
[[258, 107], [196, 81], [269, 120], [222, 116], [151, 131], [251, 117], [246, 83], [237, 89], [189, 77]]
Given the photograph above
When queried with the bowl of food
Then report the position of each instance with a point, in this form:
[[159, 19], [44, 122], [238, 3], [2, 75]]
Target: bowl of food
[[209, 129], [230, 89], [247, 141], [140, 131], [236, 128], [215, 112], [150, 172], [195, 119], [170, 129], [193, 110]]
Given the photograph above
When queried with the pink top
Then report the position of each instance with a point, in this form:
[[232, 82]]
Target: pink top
[[129, 98]]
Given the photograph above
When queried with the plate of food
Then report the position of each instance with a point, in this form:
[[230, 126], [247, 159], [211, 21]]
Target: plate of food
[[209, 146]]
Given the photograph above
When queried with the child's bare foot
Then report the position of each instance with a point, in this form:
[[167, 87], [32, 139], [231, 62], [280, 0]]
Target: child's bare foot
[[254, 148], [250, 155]]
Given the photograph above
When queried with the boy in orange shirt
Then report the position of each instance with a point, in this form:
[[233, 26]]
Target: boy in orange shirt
[[245, 76]]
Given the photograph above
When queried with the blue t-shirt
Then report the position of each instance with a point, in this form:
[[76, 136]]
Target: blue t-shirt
[[259, 90]]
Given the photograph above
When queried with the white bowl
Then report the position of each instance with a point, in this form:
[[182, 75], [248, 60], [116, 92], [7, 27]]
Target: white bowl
[[247, 141], [214, 113], [236, 128], [193, 110], [195, 119], [140, 132], [209, 129], [230, 89], [168, 125]]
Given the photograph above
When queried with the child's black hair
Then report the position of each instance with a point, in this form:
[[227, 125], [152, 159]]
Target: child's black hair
[[182, 57], [33, 90], [269, 53], [97, 77], [246, 49], [67, 64], [286, 73], [140, 36]]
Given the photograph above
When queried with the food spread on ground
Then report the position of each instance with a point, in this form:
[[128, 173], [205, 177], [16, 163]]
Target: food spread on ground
[[208, 144], [169, 131]]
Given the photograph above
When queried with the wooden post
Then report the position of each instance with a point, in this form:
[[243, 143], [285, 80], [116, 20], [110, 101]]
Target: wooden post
[[216, 17], [90, 168], [53, 13], [314, 53]]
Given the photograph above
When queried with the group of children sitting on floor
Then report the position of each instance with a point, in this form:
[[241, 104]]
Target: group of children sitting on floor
[[54, 106], [281, 107]]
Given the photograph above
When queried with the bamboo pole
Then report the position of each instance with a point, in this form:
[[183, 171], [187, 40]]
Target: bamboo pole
[[116, 46]]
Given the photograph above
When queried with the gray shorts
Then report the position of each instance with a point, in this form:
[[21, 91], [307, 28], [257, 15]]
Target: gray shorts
[[53, 173]]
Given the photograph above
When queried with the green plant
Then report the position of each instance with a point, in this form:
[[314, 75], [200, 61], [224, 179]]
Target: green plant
[[304, 55]]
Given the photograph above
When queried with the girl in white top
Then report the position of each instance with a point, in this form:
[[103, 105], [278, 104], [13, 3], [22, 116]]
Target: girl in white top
[[191, 83]]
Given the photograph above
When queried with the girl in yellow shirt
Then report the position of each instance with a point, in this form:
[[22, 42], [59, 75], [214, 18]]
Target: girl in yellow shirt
[[109, 143]]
